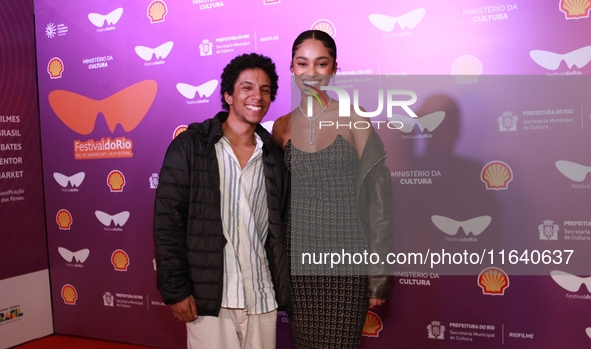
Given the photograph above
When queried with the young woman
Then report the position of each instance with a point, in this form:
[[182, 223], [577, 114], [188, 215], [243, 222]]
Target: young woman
[[340, 203]]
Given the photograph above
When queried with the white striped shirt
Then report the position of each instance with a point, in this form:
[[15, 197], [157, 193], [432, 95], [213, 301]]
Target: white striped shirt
[[247, 279]]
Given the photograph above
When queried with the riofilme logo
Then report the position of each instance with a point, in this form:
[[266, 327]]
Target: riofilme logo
[[373, 325], [466, 69], [69, 294], [157, 11], [161, 52], [120, 260], [64, 220], [451, 226], [111, 18], [588, 331], [551, 61], [572, 170], [79, 256], [326, 26], [493, 281], [575, 9], [387, 23], [569, 282], [127, 108], [55, 68], [74, 180], [178, 130], [11, 314], [115, 181], [496, 175]]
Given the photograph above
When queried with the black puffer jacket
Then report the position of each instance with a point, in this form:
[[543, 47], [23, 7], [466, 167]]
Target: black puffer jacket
[[188, 231]]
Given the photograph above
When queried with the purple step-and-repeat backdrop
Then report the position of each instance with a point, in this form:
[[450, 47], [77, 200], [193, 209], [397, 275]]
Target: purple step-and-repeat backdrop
[[496, 153]]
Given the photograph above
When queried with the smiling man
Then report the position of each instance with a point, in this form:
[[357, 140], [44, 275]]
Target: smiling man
[[217, 223]]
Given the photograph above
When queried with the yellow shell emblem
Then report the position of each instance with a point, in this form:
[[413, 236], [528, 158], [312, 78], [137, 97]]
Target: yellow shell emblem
[[326, 26], [69, 294], [120, 260], [373, 325], [496, 175], [574, 9], [179, 130], [55, 67], [493, 281], [156, 11], [64, 219], [116, 181]]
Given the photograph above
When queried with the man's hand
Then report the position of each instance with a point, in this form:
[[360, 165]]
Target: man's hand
[[374, 302], [185, 310]]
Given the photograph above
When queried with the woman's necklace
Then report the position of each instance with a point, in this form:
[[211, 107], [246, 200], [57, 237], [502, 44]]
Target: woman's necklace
[[312, 119]]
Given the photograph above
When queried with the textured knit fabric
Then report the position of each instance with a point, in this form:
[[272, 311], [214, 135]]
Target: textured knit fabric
[[329, 305]]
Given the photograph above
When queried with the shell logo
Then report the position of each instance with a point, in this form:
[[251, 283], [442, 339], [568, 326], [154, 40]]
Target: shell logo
[[179, 130], [116, 181], [496, 175], [55, 68], [466, 69], [373, 325], [69, 294], [326, 26], [64, 220], [157, 10], [120, 260], [493, 281], [575, 9]]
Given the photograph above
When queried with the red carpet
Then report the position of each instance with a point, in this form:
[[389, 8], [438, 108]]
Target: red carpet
[[57, 341]]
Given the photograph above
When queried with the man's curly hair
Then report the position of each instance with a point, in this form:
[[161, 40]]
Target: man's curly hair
[[241, 63]]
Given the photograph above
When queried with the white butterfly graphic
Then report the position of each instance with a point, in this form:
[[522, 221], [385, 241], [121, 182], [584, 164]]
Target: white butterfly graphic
[[205, 89], [387, 23], [551, 60], [428, 122], [572, 170], [74, 180], [119, 219], [570, 282], [451, 227], [80, 256], [161, 51], [112, 18]]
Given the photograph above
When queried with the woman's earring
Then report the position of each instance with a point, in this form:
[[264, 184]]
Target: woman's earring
[[333, 79], [292, 81]]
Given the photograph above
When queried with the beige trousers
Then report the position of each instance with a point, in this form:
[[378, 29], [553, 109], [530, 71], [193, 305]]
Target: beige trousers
[[233, 329]]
